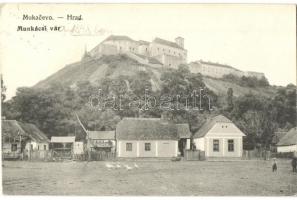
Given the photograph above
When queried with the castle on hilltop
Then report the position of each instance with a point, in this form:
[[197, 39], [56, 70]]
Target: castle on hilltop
[[163, 53], [159, 51]]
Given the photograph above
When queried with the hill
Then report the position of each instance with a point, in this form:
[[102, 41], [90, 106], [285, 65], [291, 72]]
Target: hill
[[112, 66]]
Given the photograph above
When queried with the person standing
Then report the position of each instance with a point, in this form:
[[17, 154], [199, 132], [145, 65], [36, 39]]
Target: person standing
[[294, 164], [274, 165]]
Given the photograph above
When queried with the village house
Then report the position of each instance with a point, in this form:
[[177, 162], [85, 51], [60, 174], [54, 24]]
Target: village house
[[148, 137], [288, 143], [219, 137], [20, 140], [169, 54]]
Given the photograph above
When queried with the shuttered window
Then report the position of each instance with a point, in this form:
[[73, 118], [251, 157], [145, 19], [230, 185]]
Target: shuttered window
[[216, 145]]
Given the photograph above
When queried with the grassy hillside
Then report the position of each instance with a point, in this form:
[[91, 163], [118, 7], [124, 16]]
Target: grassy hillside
[[94, 70], [220, 87]]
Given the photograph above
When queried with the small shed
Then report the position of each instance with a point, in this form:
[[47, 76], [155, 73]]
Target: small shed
[[101, 141], [62, 146], [288, 143]]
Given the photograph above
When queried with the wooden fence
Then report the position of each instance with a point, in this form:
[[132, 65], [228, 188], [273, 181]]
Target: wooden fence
[[194, 155], [256, 154], [101, 155], [38, 155]]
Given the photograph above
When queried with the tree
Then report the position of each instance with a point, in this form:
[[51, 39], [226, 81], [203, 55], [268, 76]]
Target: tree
[[3, 90], [229, 99]]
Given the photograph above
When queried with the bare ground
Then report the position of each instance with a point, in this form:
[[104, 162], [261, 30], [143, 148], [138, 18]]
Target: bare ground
[[151, 178]]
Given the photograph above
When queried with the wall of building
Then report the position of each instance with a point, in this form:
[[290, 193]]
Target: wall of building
[[37, 146], [223, 147], [213, 70], [78, 148], [157, 49], [283, 149], [167, 55], [258, 75], [162, 148], [200, 143], [7, 147]]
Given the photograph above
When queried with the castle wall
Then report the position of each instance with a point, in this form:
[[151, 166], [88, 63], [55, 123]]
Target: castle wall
[[157, 49]]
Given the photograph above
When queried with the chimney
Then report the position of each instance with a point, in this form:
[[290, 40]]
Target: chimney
[[179, 41]]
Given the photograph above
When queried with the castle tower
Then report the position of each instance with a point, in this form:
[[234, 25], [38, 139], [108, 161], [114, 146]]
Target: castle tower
[[179, 41]]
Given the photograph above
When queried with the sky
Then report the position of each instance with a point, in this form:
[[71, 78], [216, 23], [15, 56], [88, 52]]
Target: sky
[[249, 37]]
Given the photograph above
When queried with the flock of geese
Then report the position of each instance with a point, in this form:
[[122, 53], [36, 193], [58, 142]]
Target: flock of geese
[[118, 165]]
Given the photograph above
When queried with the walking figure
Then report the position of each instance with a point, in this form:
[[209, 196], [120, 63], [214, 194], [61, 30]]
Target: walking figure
[[274, 165], [294, 164]]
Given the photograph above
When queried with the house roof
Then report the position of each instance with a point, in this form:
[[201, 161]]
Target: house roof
[[209, 124], [62, 139], [289, 139], [12, 128], [101, 135], [167, 43], [15, 128], [146, 129], [142, 42], [277, 136], [183, 130], [217, 64], [118, 37], [34, 133]]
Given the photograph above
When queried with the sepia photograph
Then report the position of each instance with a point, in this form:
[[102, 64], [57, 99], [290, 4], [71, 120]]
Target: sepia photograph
[[148, 99]]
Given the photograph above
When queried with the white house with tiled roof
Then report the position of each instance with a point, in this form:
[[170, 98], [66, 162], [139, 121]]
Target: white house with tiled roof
[[219, 137], [149, 137], [169, 54]]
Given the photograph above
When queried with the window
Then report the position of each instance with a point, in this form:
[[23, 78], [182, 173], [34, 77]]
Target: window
[[37, 147], [44, 147], [147, 146], [14, 147], [230, 145], [128, 146], [216, 145]]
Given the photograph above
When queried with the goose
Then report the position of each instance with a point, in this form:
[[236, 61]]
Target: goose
[[136, 166], [128, 167], [109, 166]]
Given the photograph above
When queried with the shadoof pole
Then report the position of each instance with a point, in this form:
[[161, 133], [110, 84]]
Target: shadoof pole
[[87, 136]]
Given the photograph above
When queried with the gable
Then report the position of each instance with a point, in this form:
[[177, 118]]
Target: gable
[[224, 129]]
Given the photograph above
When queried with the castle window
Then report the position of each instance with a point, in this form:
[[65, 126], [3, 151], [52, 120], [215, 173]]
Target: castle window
[[163, 49], [145, 49]]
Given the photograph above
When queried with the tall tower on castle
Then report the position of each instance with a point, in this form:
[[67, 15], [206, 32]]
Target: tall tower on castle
[[180, 41]]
